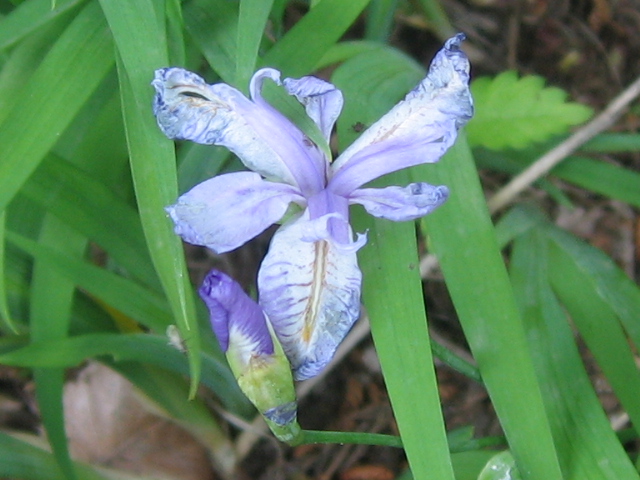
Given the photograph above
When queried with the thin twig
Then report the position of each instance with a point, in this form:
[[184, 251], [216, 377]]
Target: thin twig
[[554, 156]]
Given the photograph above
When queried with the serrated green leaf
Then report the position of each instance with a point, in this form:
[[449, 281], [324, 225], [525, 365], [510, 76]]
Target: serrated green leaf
[[514, 112]]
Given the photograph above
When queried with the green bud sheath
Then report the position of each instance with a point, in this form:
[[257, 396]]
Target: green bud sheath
[[267, 382]]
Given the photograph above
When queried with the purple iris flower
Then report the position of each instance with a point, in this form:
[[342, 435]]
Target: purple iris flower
[[309, 282]]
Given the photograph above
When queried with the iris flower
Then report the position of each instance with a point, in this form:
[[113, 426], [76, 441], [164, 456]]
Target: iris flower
[[309, 282]]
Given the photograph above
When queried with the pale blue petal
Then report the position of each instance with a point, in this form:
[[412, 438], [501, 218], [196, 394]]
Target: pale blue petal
[[322, 101], [226, 211], [418, 130], [311, 293], [401, 203], [264, 140]]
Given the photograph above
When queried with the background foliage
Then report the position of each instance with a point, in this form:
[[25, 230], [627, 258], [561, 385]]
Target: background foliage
[[91, 268]]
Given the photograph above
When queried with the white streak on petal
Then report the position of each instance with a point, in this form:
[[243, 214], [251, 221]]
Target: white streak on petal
[[401, 203], [226, 211], [311, 294]]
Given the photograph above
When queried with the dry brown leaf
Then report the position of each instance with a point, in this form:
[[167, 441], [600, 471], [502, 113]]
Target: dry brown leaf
[[108, 426]]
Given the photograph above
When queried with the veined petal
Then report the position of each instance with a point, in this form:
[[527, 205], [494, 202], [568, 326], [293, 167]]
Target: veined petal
[[418, 130], [236, 319], [226, 211], [311, 294], [322, 100], [264, 140], [401, 203]]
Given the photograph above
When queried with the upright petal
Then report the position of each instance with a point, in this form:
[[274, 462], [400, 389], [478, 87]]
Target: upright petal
[[418, 130], [322, 100], [311, 293], [401, 203], [226, 211], [264, 140]]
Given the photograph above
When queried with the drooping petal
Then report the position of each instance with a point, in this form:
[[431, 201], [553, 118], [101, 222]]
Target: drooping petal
[[401, 203], [418, 130], [264, 140], [311, 293], [322, 100], [226, 211], [236, 319]]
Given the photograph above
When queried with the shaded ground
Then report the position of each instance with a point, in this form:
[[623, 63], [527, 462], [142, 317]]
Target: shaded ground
[[588, 47]]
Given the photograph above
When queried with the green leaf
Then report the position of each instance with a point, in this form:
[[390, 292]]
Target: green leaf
[[612, 284], [86, 204], [4, 305], [601, 177], [252, 19], [213, 26], [600, 329], [343, 51], [20, 459], [51, 301], [398, 324], [302, 47], [516, 112], [371, 84], [586, 445], [52, 97], [463, 238], [141, 42], [139, 347], [500, 467], [380, 16], [131, 299], [28, 17]]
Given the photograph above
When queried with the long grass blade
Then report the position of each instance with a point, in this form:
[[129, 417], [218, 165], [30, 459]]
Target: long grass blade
[[51, 301], [586, 445], [252, 19], [463, 238], [50, 100], [317, 31], [28, 17], [138, 30]]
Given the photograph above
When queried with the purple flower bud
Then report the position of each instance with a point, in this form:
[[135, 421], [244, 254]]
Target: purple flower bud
[[235, 317]]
